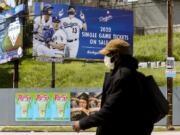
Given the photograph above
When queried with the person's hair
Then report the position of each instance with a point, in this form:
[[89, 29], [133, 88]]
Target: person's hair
[[71, 6]]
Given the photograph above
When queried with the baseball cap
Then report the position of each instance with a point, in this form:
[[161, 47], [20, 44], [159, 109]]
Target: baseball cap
[[71, 9], [45, 12], [56, 19], [47, 6], [116, 45]]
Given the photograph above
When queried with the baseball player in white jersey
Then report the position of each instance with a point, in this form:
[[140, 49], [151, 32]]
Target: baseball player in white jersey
[[56, 41], [72, 27], [41, 25]]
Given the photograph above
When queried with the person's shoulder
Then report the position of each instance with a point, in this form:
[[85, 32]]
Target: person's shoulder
[[77, 19], [124, 72], [37, 18], [64, 18], [60, 31], [121, 74], [50, 18]]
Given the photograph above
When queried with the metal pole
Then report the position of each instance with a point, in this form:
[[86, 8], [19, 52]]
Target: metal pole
[[170, 79], [98, 5], [16, 74], [24, 21], [53, 75]]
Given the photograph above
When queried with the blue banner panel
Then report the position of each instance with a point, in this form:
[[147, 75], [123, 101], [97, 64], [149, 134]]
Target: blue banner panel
[[83, 31], [11, 34]]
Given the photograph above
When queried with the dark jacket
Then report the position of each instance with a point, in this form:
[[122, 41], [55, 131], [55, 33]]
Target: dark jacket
[[122, 106]]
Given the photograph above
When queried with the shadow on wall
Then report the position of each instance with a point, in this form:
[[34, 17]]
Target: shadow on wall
[[6, 78]]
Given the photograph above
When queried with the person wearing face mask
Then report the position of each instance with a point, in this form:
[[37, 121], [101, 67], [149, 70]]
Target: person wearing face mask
[[121, 110], [72, 26]]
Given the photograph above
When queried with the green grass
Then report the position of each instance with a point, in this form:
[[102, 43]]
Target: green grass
[[60, 128], [34, 74], [154, 47], [159, 75], [41, 128]]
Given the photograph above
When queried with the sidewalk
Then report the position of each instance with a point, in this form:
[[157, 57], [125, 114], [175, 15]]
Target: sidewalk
[[81, 133]]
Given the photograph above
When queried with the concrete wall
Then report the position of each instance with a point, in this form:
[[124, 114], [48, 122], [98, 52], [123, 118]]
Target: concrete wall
[[153, 16], [7, 105]]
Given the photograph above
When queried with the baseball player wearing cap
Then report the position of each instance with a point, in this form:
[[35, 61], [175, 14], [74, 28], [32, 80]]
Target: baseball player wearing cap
[[55, 39], [41, 24], [72, 27]]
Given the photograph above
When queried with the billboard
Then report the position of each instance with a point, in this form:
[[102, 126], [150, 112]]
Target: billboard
[[78, 32], [11, 34], [42, 106]]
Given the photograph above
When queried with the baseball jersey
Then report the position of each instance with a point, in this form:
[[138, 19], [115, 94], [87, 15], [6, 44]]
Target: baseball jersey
[[59, 37], [40, 23], [72, 27]]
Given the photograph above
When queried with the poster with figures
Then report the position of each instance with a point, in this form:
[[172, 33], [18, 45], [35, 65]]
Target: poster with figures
[[65, 31], [84, 104], [24, 108], [42, 106], [11, 34]]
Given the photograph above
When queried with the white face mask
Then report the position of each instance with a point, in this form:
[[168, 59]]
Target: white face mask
[[108, 63]]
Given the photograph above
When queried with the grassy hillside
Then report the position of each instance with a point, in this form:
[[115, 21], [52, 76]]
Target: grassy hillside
[[35, 74], [154, 47]]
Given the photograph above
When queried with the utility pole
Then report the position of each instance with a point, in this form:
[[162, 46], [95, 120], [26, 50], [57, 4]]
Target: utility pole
[[170, 54], [53, 74], [16, 74]]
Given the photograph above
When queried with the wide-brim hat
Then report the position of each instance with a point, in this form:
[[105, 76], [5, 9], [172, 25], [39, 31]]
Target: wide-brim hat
[[48, 6], [116, 45]]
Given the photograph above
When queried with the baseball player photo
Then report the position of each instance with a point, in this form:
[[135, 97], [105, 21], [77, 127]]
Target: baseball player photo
[[41, 24], [55, 41], [72, 26]]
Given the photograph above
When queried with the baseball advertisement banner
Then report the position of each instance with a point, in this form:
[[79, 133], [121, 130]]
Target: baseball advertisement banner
[[11, 34], [84, 104], [78, 32], [42, 106]]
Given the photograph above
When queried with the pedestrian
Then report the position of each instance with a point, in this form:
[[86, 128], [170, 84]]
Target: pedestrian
[[122, 111]]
